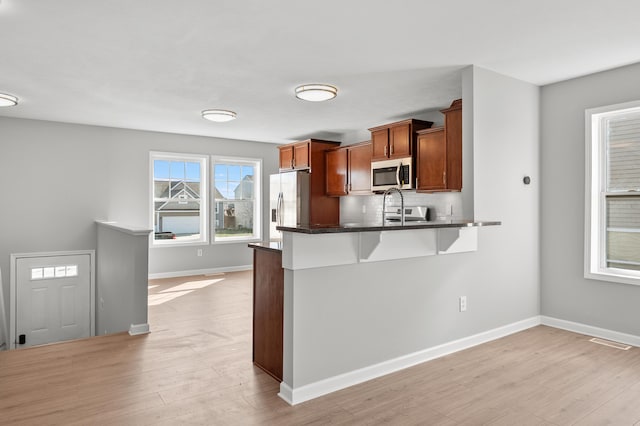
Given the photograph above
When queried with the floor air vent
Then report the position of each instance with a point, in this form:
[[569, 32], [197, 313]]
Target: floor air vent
[[610, 344]]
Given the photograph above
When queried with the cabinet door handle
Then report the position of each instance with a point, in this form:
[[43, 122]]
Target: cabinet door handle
[[385, 150], [350, 187], [292, 163], [417, 182], [346, 188], [444, 178], [391, 149]]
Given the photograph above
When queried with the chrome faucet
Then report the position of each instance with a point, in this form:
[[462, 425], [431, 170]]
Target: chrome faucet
[[384, 207]]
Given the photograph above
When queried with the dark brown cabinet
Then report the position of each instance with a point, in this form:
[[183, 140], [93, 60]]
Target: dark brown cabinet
[[396, 140], [268, 308], [431, 160], [309, 155], [453, 135], [360, 168], [296, 156], [439, 154], [337, 161], [286, 157], [349, 170]]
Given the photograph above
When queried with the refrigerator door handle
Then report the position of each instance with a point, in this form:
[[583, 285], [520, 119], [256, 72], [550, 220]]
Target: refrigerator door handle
[[279, 205]]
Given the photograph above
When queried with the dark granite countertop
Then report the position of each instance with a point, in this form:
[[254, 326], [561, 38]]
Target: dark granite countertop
[[267, 245], [388, 226]]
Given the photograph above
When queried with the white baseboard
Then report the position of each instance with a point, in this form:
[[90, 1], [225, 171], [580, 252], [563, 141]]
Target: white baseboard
[[208, 271], [136, 329], [332, 384], [590, 330], [286, 393]]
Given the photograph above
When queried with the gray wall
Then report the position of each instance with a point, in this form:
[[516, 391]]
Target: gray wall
[[58, 178], [566, 294]]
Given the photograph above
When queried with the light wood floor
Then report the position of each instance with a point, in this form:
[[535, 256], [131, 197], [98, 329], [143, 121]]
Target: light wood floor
[[195, 368]]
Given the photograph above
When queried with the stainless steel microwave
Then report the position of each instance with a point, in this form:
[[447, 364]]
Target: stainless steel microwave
[[397, 173]]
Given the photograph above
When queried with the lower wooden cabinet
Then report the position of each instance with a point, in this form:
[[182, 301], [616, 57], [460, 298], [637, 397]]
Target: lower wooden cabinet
[[349, 170], [268, 308]]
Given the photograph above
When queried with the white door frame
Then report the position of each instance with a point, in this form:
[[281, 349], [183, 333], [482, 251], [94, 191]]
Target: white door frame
[[11, 344]]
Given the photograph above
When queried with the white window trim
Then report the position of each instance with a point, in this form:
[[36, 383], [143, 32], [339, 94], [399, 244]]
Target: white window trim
[[595, 203], [257, 199], [204, 191]]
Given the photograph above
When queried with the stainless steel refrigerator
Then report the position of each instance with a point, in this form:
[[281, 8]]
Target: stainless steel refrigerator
[[288, 201]]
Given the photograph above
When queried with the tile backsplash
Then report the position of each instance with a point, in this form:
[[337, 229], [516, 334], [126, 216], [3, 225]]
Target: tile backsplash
[[368, 208]]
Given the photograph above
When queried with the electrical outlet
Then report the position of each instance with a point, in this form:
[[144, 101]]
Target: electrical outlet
[[463, 303], [364, 209], [199, 252]]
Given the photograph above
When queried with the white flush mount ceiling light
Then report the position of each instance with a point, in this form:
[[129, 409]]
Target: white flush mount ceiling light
[[218, 115], [316, 92], [7, 100]]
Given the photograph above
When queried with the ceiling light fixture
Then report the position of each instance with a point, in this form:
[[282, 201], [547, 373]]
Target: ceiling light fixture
[[316, 92], [218, 115], [7, 100]]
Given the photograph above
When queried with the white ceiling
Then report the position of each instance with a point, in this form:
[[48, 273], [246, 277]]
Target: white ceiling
[[156, 64]]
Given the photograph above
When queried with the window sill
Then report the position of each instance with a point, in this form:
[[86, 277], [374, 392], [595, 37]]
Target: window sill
[[179, 244], [613, 277], [237, 241]]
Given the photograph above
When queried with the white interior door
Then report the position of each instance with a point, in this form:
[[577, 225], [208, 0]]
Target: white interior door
[[53, 299]]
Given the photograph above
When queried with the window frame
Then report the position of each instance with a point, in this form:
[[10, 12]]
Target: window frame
[[257, 198], [595, 262], [204, 197]]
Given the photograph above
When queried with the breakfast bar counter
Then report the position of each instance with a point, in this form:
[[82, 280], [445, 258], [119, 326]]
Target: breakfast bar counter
[[332, 303], [387, 226]]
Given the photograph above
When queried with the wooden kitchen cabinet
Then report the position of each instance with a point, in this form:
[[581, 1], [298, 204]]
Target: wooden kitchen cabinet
[[396, 140], [286, 157], [453, 135], [349, 170], [298, 155], [360, 168], [309, 156], [431, 160], [337, 164], [439, 154], [301, 155]]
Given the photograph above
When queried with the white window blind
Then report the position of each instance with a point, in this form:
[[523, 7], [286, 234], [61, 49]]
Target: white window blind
[[623, 152]]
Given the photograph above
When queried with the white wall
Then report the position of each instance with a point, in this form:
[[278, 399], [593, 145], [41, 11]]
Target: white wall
[[403, 306], [566, 294], [58, 178]]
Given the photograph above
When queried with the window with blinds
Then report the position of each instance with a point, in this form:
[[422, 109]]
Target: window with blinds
[[612, 202], [622, 193]]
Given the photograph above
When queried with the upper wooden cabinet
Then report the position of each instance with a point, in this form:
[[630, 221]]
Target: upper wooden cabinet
[[360, 168], [453, 134], [349, 170], [309, 156], [294, 156], [299, 155], [337, 164], [286, 157], [439, 154], [396, 140], [431, 160]]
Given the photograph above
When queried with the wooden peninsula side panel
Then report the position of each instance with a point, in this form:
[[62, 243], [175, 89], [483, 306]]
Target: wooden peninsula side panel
[[268, 304]]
